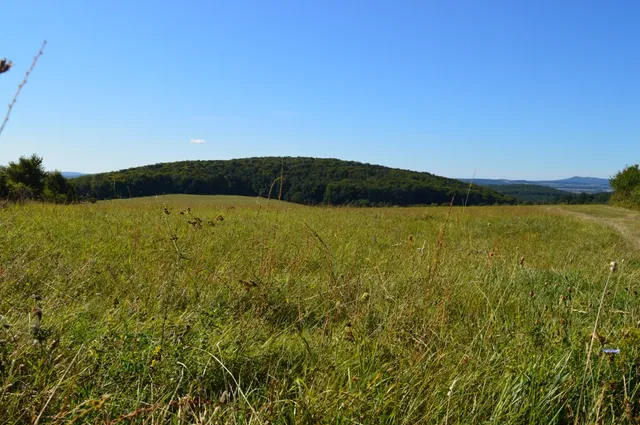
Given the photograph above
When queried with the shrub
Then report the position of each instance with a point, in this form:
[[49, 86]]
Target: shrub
[[29, 172], [625, 181], [27, 179], [626, 184]]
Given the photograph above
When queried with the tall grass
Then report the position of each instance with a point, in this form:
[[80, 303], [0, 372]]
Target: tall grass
[[120, 312]]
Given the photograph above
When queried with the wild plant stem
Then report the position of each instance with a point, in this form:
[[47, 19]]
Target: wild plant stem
[[593, 336], [21, 85]]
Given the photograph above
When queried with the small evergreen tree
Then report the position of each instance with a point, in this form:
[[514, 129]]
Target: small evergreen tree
[[29, 172]]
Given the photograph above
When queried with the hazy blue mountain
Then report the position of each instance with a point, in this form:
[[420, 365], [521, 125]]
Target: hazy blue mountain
[[72, 174], [573, 184], [595, 181]]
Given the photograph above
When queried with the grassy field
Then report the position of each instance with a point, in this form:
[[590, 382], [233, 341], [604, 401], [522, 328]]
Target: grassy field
[[201, 201], [228, 310]]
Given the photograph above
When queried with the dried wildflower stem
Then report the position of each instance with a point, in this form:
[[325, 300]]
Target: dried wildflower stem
[[21, 85], [593, 336], [433, 267], [5, 65], [255, 413], [281, 180], [273, 183], [446, 419], [57, 385], [469, 190]]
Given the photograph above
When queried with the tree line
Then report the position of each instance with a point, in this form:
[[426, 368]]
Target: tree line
[[27, 179], [310, 181]]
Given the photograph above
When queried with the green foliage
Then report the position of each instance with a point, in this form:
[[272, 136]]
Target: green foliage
[[626, 184], [56, 183], [308, 181], [27, 179], [58, 189], [29, 172], [627, 180], [127, 312], [4, 183], [20, 191]]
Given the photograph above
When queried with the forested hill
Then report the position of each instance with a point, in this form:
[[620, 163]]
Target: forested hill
[[306, 181]]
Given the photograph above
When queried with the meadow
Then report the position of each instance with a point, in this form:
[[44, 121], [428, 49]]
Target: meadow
[[229, 310]]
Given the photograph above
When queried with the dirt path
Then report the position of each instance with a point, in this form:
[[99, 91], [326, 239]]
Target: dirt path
[[626, 222]]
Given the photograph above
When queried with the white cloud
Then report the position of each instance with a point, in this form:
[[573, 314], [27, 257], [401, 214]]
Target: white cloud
[[197, 142]]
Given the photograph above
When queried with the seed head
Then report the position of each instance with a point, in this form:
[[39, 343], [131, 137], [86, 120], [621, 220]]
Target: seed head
[[613, 266], [37, 311], [5, 65]]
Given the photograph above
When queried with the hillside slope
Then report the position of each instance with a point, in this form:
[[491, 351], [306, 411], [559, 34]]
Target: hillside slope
[[306, 181]]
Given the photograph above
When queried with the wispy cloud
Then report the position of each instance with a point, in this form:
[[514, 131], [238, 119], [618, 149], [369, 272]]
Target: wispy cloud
[[197, 141]]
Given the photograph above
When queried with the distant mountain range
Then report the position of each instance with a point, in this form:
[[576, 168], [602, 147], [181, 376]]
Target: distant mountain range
[[72, 174], [573, 184]]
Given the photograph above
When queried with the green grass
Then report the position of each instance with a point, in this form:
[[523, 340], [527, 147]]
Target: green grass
[[601, 211], [202, 200], [292, 314]]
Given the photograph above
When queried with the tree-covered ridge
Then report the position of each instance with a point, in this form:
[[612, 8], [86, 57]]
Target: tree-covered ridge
[[306, 180]]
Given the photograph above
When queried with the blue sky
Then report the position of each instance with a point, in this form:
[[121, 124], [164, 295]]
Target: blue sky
[[505, 89]]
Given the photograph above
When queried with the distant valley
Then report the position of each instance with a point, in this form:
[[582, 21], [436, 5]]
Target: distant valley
[[572, 184]]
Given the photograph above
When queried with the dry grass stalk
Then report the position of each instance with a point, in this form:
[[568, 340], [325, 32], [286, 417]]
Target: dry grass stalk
[[21, 85]]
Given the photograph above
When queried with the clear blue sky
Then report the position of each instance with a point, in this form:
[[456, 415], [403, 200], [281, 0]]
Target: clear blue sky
[[506, 89]]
